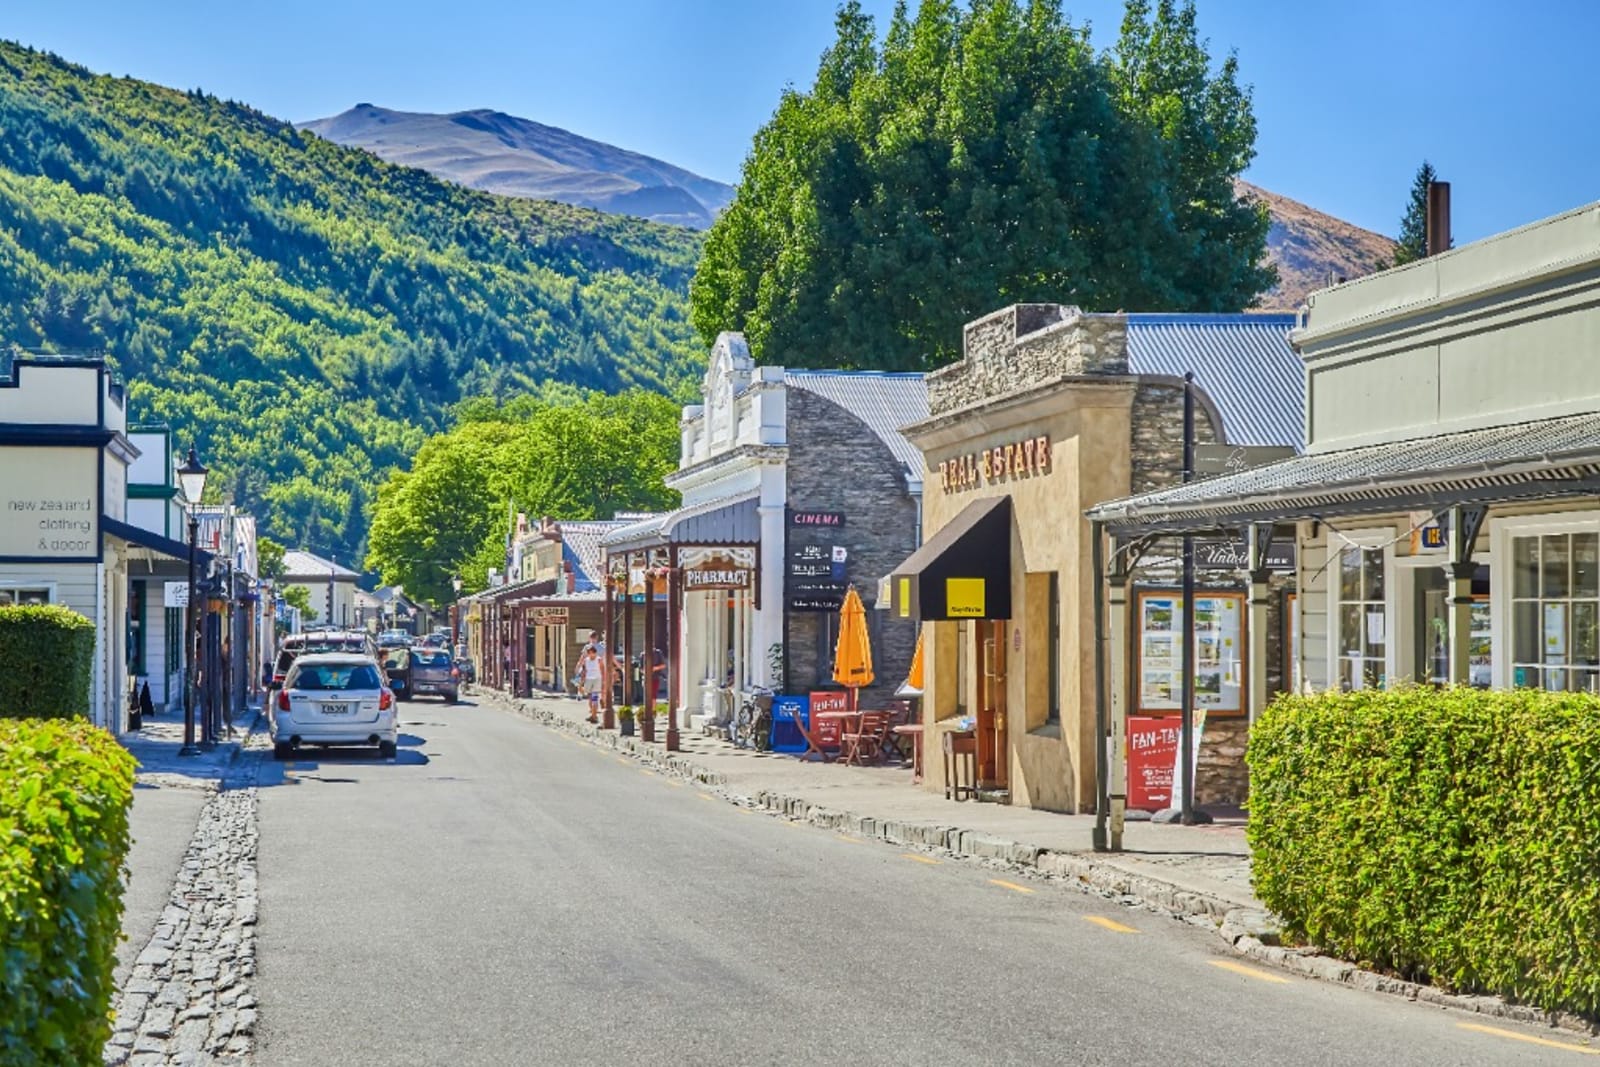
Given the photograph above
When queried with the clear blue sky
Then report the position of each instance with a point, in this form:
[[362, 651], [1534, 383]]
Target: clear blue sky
[[1503, 98]]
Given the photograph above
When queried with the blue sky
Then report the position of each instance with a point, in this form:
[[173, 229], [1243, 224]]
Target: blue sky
[[1350, 96]]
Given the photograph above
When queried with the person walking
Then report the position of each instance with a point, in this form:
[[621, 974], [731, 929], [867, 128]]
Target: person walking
[[591, 674]]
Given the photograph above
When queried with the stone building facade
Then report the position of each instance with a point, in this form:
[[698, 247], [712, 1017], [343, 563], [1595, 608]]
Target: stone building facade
[[1049, 412]]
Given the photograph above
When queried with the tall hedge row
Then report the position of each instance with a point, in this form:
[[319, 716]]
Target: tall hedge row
[[46, 662], [65, 790], [1449, 835]]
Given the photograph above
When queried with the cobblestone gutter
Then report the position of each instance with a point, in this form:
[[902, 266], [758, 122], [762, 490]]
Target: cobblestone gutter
[[1253, 934], [190, 998]]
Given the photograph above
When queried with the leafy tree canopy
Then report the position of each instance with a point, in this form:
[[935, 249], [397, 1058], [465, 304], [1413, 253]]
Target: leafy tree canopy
[[572, 459], [305, 313], [979, 156]]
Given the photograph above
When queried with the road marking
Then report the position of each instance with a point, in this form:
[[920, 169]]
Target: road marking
[[744, 811], [675, 785], [1109, 924], [1250, 972], [1014, 887], [850, 840], [929, 860], [705, 796], [1529, 1038]]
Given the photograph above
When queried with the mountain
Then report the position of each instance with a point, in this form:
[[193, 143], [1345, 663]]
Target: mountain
[[1308, 247], [503, 154], [306, 313]]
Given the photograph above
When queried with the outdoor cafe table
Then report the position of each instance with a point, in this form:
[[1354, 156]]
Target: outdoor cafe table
[[843, 722]]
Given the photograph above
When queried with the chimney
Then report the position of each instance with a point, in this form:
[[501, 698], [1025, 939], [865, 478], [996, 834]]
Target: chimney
[[1438, 221]]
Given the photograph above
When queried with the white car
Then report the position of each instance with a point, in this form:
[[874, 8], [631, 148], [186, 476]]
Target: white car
[[334, 698]]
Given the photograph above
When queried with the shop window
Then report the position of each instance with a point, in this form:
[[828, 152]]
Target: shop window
[[1555, 611], [1053, 703], [18, 595], [1363, 620]]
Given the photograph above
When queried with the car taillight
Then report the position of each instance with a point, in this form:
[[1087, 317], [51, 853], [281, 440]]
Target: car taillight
[[385, 700], [283, 700]]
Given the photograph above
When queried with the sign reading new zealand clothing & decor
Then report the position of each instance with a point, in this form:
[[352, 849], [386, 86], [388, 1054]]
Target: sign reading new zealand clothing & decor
[[50, 504]]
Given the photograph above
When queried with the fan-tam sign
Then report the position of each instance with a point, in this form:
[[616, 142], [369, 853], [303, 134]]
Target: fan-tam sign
[[1014, 459]]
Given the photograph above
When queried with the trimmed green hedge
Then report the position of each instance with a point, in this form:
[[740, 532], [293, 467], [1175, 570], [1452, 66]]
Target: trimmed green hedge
[[46, 662], [65, 790], [1447, 835]]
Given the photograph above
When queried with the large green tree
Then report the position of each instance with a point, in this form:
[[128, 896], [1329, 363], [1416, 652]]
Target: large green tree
[[569, 458], [980, 156]]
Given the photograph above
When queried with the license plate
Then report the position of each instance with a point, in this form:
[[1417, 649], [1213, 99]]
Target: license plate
[[337, 709]]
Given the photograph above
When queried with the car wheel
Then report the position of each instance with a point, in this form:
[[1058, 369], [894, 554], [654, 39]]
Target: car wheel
[[282, 750], [452, 697], [386, 750]]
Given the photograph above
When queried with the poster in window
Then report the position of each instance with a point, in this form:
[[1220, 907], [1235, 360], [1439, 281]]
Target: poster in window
[[1218, 652], [1555, 633]]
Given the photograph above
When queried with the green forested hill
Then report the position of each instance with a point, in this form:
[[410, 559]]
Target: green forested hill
[[306, 312]]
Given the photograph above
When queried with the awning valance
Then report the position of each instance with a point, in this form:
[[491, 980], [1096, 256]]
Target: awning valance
[[963, 571]]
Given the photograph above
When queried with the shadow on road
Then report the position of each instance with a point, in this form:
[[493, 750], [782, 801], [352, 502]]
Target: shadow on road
[[308, 762]]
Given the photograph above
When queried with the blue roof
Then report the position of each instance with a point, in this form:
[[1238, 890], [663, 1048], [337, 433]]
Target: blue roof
[[884, 401], [1243, 362], [580, 546]]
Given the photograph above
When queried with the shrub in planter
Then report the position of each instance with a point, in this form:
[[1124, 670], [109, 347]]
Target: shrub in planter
[[46, 662], [625, 720], [65, 790], [1447, 835]]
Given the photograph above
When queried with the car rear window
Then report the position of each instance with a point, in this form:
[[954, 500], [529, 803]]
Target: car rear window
[[432, 659], [328, 677]]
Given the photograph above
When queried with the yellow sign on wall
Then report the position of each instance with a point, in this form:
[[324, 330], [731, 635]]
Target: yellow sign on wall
[[964, 598], [905, 598]]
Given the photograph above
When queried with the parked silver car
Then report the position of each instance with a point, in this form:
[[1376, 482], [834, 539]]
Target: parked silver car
[[334, 698]]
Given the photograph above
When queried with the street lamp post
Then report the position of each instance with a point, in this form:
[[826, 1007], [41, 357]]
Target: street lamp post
[[191, 483], [455, 614]]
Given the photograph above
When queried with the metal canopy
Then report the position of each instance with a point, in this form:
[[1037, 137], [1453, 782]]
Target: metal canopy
[[1529, 461], [725, 521]]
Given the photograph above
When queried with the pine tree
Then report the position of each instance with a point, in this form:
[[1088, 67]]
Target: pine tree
[[1413, 244]]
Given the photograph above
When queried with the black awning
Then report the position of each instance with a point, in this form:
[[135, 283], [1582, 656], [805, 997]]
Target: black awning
[[138, 535], [963, 571]]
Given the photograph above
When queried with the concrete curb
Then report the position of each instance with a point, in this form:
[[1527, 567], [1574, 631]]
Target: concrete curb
[[1249, 933]]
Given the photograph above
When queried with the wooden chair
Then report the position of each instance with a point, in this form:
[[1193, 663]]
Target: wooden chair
[[813, 742], [868, 739]]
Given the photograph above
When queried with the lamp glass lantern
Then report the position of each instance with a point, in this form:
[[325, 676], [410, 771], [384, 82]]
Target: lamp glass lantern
[[192, 478], [455, 583]]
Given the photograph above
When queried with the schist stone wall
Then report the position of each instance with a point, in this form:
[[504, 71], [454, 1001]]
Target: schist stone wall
[[836, 463], [1026, 345]]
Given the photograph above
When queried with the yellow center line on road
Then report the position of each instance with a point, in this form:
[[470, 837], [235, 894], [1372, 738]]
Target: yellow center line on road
[[1250, 972], [1014, 887], [929, 860], [675, 785], [1479, 1028], [850, 840], [1109, 924], [705, 796]]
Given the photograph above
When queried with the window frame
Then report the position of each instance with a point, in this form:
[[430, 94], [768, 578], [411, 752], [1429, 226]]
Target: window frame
[[1374, 538], [1502, 599]]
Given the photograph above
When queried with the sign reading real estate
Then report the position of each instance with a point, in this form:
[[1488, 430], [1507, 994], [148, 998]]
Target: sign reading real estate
[[50, 504]]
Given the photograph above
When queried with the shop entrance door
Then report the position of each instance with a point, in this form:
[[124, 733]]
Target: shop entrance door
[[991, 717], [1430, 655]]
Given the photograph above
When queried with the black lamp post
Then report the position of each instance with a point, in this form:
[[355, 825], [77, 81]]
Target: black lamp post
[[455, 613], [191, 483]]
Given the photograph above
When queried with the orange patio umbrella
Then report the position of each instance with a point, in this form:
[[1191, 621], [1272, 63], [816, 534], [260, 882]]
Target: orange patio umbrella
[[852, 656], [913, 682]]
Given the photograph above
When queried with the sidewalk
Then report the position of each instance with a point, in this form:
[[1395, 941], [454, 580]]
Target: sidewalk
[[1185, 870], [156, 747]]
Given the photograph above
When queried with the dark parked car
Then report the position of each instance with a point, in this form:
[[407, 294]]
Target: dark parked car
[[434, 672]]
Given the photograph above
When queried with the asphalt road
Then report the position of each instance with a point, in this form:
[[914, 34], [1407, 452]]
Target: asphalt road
[[504, 895]]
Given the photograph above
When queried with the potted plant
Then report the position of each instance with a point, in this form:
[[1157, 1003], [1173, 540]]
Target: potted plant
[[625, 720]]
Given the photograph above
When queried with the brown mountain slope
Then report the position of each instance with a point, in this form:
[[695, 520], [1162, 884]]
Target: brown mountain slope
[[1307, 246]]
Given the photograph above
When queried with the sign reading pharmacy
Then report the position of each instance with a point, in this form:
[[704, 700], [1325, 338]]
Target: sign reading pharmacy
[[50, 504], [718, 572]]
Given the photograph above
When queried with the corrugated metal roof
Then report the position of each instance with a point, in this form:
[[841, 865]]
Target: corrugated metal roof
[[883, 401], [1243, 362], [724, 521], [1551, 454], [301, 564]]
